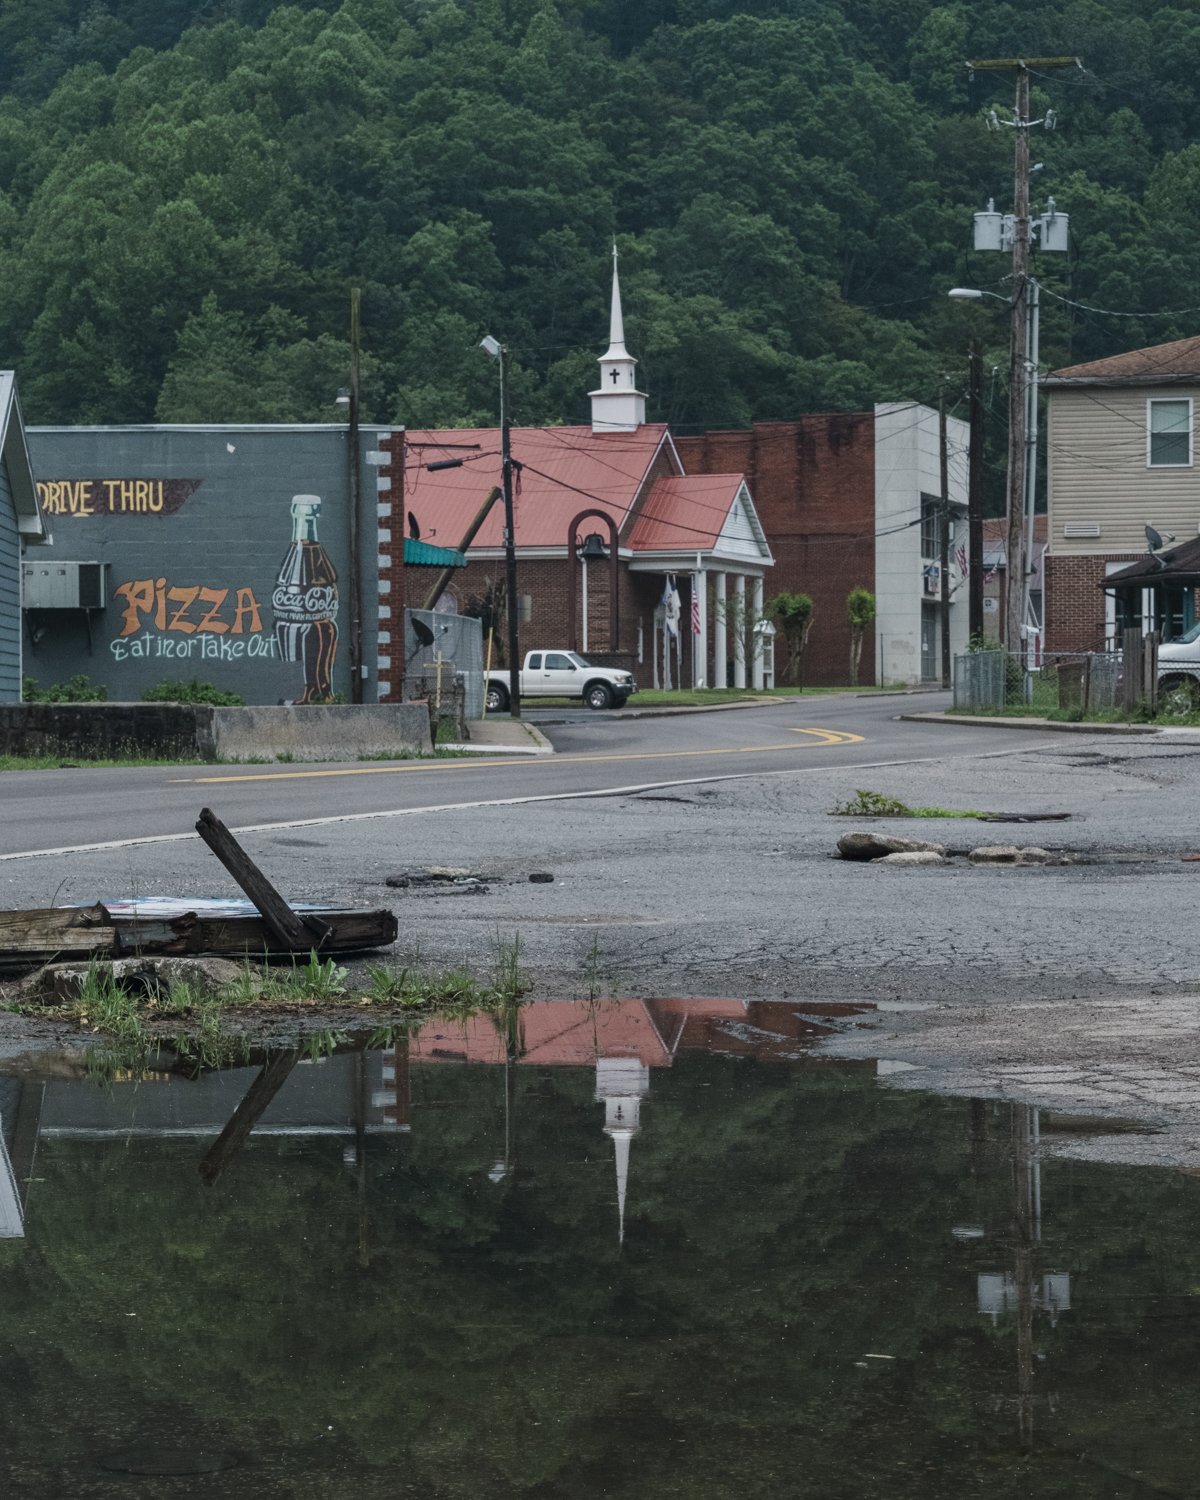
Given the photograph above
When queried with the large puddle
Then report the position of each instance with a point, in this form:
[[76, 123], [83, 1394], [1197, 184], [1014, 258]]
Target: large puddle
[[629, 1249]]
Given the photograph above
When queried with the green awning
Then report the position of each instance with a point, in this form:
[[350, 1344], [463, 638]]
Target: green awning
[[423, 555]]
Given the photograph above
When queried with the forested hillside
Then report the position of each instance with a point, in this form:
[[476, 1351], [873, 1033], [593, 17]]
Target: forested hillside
[[188, 188]]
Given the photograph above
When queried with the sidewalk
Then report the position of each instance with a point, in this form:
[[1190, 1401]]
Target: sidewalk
[[1003, 722], [503, 736]]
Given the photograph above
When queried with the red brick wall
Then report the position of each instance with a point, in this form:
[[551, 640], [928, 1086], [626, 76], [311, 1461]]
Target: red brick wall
[[1075, 601], [392, 528], [813, 485]]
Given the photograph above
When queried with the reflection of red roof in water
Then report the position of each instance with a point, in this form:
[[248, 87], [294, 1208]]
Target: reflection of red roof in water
[[575, 1032]]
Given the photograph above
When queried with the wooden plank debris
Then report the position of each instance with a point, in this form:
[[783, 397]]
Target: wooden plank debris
[[287, 928], [57, 929], [263, 926], [274, 1074]]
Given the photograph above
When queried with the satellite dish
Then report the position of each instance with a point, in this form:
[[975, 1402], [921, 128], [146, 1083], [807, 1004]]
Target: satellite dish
[[414, 529], [1155, 540], [422, 631]]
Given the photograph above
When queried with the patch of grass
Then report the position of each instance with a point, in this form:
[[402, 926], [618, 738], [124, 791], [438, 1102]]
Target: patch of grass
[[440, 752], [868, 804], [319, 980], [1075, 715], [132, 1021], [80, 762]]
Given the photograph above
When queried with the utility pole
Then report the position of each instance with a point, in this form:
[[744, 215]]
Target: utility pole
[[354, 460], [975, 494], [944, 558], [510, 546], [1018, 377], [1033, 355], [1016, 581]]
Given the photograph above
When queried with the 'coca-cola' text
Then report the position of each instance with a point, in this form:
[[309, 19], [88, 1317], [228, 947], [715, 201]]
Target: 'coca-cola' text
[[300, 606]]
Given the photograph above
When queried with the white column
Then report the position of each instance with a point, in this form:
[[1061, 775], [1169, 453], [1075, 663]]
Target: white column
[[756, 610], [739, 630], [719, 646], [700, 641], [583, 576]]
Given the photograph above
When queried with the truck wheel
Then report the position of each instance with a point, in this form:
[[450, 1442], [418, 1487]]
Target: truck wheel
[[497, 698], [598, 695]]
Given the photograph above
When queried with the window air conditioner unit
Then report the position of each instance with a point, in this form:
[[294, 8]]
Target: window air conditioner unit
[[65, 585]]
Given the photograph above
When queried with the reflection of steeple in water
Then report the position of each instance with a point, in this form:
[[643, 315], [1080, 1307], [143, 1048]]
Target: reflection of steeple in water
[[621, 1084]]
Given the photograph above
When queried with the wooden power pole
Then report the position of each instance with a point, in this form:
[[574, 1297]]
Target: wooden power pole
[[975, 495], [1019, 372]]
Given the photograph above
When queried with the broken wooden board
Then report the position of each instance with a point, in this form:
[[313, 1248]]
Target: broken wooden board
[[69, 930], [176, 926]]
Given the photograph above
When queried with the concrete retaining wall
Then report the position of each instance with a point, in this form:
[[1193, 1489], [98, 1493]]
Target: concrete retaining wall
[[322, 733], [109, 731]]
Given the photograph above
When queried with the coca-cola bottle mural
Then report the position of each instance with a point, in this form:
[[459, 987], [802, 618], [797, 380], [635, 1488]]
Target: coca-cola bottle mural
[[305, 603]]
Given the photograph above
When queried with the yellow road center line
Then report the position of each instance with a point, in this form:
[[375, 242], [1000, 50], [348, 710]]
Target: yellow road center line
[[820, 739]]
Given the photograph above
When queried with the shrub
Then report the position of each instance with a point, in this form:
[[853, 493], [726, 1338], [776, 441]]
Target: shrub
[[77, 689], [192, 691]]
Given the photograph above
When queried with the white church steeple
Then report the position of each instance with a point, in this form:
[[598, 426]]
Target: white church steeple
[[618, 405]]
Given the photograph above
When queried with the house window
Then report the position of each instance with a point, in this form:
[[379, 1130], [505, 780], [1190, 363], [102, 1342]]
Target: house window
[[1169, 433], [931, 527]]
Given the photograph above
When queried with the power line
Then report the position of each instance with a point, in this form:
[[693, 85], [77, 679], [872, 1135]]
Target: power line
[[1108, 312]]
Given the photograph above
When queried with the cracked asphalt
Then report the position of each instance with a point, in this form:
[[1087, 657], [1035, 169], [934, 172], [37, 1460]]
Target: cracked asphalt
[[1076, 986]]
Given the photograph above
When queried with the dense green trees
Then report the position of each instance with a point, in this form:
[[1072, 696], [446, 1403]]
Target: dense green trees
[[188, 191]]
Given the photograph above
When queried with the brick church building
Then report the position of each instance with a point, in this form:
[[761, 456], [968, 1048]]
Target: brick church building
[[820, 505]]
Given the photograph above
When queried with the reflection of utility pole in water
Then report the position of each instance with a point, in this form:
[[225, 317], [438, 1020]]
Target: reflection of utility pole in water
[[1023, 1223], [361, 1102], [305, 603], [1017, 1290]]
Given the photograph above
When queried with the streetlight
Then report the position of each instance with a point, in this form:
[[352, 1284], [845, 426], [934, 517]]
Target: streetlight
[[497, 351], [1022, 480]]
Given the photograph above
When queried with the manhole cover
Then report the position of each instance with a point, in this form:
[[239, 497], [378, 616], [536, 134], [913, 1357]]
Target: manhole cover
[[167, 1461]]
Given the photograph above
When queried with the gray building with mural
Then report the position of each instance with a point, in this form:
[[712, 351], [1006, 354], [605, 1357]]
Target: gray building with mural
[[217, 553], [21, 525]]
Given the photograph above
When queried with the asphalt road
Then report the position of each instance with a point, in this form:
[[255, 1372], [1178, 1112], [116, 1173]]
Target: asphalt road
[[696, 856], [597, 754]]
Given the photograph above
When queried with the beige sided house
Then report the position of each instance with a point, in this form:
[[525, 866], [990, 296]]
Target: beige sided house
[[1121, 457]]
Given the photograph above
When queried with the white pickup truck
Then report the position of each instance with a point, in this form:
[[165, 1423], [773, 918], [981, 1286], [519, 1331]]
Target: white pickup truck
[[1179, 668], [562, 674]]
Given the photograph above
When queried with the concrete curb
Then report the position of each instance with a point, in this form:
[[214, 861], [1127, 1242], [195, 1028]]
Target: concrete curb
[[973, 721], [664, 711]]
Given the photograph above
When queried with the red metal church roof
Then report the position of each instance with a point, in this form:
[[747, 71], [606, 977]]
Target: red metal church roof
[[684, 513], [564, 470], [584, 468]]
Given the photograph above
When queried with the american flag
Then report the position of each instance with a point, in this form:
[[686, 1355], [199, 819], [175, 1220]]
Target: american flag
[[695, 607], [960, 557]]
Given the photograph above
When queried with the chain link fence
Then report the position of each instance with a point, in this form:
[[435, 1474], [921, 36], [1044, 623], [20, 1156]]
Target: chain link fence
[[443, 664], [1087, 680]]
